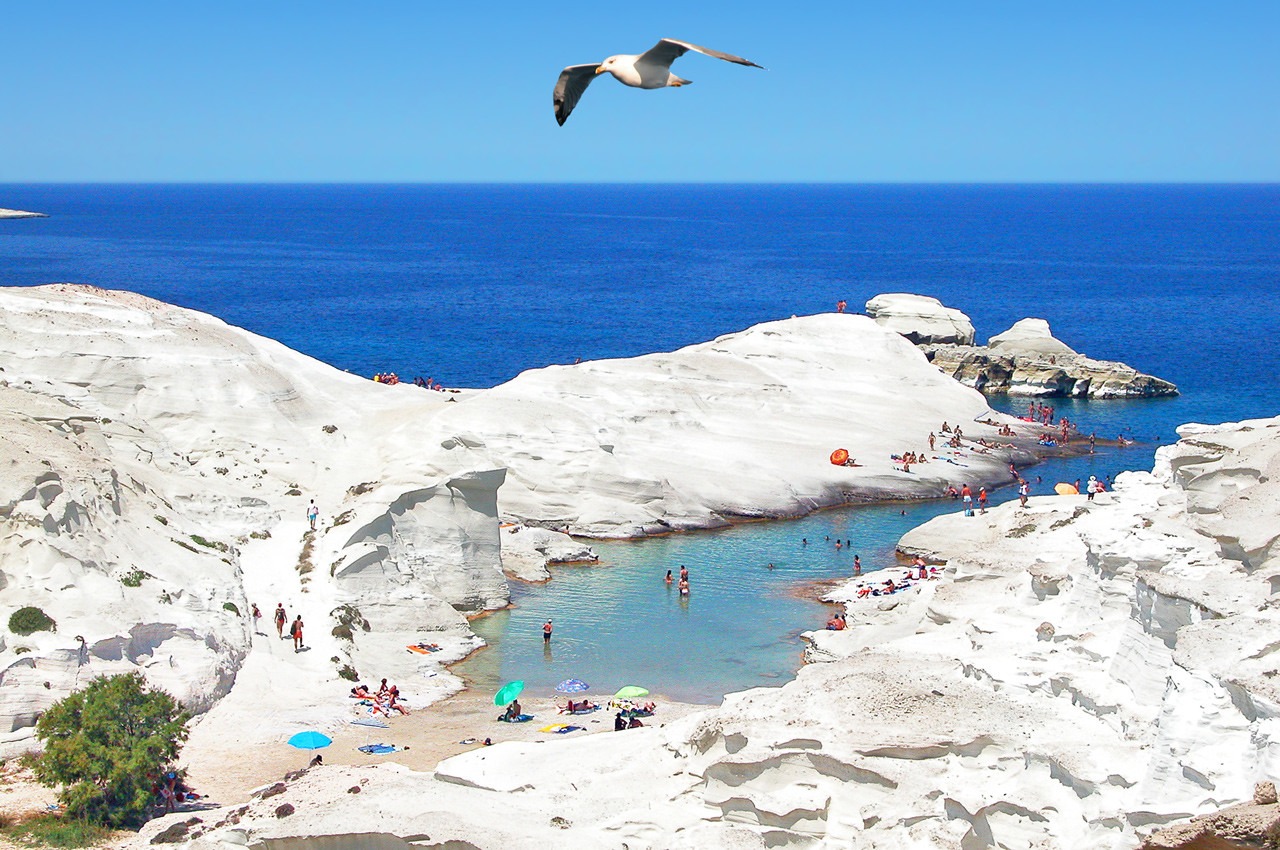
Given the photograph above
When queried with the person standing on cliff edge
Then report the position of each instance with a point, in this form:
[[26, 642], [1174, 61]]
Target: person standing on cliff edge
[[546, 632]]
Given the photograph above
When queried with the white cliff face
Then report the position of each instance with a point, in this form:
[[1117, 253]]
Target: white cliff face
[[156, 462], [1082, 673], [921, 319]]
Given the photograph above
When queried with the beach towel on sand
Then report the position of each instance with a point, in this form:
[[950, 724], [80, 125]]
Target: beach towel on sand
[[378, 749], [523, 718], [371, 721]]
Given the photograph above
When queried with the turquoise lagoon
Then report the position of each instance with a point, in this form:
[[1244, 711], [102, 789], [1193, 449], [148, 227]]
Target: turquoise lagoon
[[617, 623]]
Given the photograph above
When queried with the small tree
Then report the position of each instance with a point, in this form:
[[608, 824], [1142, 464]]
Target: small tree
[[105, 745]]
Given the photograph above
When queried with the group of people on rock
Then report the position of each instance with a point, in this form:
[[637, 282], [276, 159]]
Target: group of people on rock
[[392, 378], [384, 700], [908, 458]]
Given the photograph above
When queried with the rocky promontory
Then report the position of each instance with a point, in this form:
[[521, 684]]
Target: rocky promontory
[[1025, 360]]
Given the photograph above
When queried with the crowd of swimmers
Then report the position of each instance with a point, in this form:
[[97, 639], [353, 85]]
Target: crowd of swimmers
[[683, 584]]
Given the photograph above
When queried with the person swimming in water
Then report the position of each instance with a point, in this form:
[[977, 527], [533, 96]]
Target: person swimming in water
[[668, 579], [684, 587]]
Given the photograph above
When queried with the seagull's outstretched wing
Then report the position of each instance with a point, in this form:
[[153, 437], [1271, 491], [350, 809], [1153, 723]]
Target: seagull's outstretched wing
[[569, 88], [669, 50]]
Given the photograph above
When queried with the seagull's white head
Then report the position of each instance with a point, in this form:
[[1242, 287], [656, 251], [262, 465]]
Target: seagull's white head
[[609, 65]]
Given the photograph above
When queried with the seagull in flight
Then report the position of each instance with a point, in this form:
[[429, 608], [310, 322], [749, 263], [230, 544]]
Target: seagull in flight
[[648, 70]]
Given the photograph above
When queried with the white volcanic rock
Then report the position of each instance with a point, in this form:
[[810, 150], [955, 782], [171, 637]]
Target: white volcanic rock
[[528, 550], [739, 427], [1029, 336], [921, 319], [159, 463], [954, 718], [155, 464], [1028, 360]]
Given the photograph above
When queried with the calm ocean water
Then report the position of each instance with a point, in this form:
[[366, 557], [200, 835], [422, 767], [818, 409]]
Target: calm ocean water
[[473, 284]]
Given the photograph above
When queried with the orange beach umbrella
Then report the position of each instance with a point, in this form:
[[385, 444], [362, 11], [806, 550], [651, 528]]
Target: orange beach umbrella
[[839, 456]]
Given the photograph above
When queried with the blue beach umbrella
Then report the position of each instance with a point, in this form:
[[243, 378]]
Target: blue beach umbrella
[[572, 686], [310, 740], [509, 691]]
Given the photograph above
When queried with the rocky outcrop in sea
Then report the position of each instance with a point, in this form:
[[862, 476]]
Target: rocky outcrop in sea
[[1025, 360]]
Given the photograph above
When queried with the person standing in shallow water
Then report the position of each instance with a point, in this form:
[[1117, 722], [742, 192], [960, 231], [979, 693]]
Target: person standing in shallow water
[[857, 565], [546, 632]]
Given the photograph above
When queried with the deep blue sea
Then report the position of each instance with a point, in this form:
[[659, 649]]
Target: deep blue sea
[[471, 284]]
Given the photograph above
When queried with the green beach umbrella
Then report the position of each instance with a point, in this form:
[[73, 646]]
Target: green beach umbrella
[[631, 692], [510, 691]]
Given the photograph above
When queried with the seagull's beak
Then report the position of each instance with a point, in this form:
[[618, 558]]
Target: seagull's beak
[[600, 70]]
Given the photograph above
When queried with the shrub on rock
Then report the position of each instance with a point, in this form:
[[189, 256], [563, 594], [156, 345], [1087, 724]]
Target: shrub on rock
[[29, 620]]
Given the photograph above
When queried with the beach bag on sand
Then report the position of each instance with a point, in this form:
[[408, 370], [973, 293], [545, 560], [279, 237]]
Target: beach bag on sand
[[968, 511]]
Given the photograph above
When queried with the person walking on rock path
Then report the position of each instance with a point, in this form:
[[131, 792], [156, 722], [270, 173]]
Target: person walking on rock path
[[313, 514], [295, 632], [982, 500], [257, 617], [281, 618]]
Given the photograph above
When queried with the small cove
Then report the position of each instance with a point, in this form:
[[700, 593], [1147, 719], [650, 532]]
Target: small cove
[[617, 623]]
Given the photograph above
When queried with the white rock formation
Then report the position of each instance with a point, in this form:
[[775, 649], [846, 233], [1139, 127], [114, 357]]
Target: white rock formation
[[1029, 336], [921, 319], [159, 465], [20, 214], [155, 461], [739, 427], [945, 717]]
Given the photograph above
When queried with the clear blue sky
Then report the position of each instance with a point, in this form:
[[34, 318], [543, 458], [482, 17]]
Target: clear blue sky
[[1116, 90]]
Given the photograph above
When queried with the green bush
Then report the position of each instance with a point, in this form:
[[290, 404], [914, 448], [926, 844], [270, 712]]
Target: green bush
[[29, 620], [231, 606], [346, 671], [209, 544], [105, 745], [54, 831], [135, 577]]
